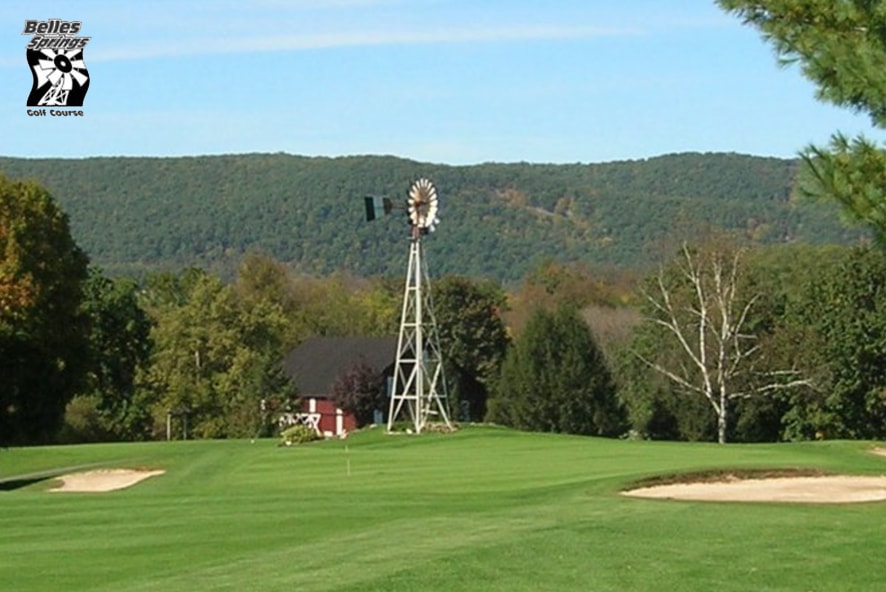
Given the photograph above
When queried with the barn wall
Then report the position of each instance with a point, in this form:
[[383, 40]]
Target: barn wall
[[333, 421]]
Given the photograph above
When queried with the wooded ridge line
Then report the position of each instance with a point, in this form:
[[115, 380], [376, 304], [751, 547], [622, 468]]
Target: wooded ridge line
[[136, 214]]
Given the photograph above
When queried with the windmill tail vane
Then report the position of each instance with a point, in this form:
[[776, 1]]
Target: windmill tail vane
[[377, 207]]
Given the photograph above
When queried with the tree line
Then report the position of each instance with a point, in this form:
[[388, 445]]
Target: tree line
[[724, 341], [90, 357]]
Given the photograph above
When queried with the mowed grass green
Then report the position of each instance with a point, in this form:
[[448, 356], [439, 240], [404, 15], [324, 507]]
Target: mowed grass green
[[482, 509]]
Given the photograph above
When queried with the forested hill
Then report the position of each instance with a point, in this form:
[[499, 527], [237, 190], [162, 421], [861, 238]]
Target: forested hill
[[498, 220]]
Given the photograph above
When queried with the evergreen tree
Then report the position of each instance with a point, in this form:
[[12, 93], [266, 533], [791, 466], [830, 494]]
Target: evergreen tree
[[555, 379], [841, 46]]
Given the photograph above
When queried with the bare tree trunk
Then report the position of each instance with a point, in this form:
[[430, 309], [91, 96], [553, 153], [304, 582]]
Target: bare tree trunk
[[722, 419]]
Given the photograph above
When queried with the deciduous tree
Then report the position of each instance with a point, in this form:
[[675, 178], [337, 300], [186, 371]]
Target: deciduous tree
[[217, 358], [119, 348], [473, 338], [698, 306], [42, 330], [840, 329]]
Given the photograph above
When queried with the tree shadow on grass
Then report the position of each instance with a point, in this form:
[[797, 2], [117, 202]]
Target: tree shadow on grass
[[14, 482], [18, 483]]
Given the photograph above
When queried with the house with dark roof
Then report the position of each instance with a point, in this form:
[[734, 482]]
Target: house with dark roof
[[316, 364]]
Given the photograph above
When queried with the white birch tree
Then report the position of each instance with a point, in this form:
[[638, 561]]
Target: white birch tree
[[705, 314]]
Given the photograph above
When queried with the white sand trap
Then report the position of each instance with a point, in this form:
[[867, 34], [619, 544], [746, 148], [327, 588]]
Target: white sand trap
[[818, 489], [103, 480], [833, 489]]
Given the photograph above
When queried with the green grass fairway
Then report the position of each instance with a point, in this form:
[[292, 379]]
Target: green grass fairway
[[483, 509]]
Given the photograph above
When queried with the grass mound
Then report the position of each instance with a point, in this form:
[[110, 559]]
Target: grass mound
[[725, 475], [480, 509]]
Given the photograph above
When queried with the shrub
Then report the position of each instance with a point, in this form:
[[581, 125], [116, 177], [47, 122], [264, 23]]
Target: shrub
[[360, 390], [83, 422], [298, 434]]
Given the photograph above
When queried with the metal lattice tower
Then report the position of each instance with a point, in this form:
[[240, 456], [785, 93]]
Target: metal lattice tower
[[56, 95], [419, 389]]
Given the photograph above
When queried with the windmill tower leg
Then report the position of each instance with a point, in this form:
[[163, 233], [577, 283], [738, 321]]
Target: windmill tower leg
[[419, 381]]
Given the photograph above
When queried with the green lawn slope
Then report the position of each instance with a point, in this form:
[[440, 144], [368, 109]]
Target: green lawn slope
[[482, 509]]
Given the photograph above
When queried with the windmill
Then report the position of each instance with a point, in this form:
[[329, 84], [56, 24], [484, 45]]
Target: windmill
[[62, 70], [419, 387]]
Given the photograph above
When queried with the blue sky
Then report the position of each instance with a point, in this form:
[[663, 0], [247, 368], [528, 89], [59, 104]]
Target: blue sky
[[446, 81]]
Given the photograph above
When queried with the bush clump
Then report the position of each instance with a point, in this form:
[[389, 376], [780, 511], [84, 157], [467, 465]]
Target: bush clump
[[298, 434]]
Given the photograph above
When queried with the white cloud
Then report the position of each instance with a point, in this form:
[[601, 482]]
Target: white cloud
[[322, 4], [301, 42]]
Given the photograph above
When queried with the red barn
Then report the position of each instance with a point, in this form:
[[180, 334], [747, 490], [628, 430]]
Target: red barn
[[315, 365]]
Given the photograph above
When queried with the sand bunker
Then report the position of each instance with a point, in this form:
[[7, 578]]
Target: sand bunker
[[813, 489], [834, 489], [103, 480]]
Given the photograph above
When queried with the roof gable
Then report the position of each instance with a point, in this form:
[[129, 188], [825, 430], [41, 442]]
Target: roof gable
[[318, 361]]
